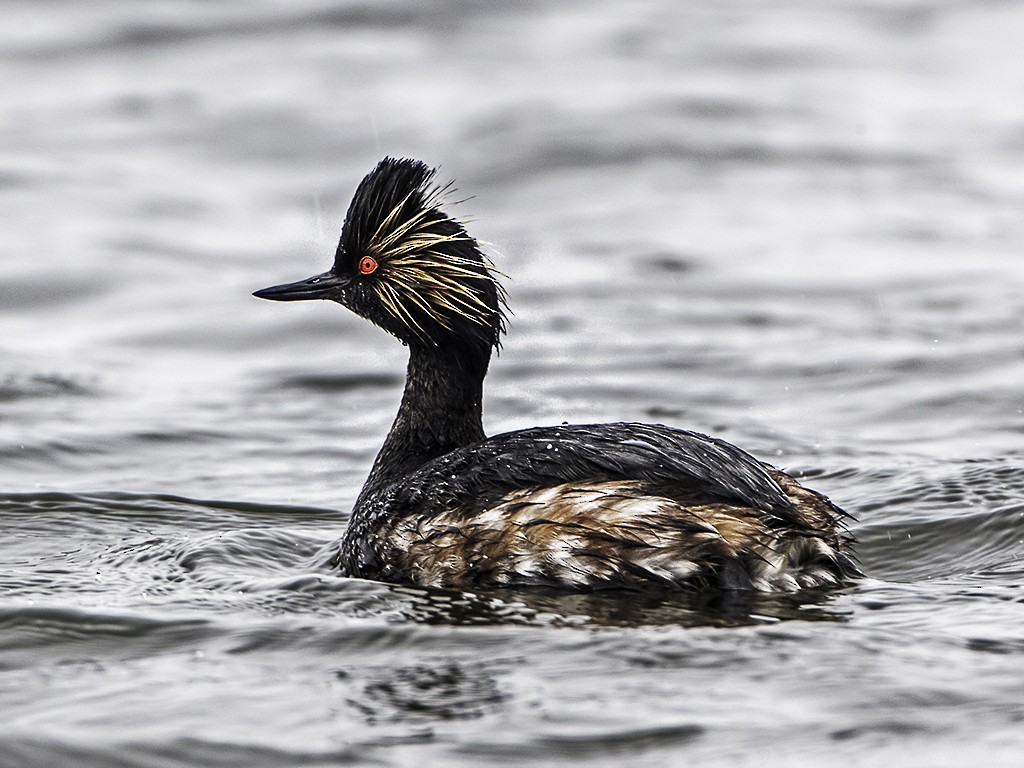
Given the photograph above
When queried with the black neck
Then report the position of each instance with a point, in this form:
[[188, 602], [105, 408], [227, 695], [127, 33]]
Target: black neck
[[441, 410]]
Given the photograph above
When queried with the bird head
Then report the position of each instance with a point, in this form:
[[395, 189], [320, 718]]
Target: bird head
[[407, 266]]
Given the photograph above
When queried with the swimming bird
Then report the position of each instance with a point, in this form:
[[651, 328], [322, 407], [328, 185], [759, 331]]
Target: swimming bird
[[574, 507]]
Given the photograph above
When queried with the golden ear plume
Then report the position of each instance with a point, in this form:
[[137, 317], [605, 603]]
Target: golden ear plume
[[432, 275]]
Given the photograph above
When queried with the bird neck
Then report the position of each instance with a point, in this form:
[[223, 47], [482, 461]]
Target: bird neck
[[441, 410]]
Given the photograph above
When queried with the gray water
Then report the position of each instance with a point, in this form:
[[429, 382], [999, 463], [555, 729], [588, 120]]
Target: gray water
[[796, 226]]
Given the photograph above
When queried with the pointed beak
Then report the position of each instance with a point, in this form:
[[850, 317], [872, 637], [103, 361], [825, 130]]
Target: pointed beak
[[325, 286]]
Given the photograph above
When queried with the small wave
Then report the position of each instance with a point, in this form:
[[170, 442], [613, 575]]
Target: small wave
[[137, 550], [132, 32], [156, 506], [447, 689], [983, 541], [30, 749], [597, 744], [30, 635], [328, 383], [26, 386]]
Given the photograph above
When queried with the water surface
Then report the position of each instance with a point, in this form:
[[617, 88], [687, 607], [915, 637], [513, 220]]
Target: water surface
[[797, 228]]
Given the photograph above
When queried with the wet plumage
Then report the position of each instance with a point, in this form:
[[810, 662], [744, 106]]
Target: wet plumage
[[578, 507]]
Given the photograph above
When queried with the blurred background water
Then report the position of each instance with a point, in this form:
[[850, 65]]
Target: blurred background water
[[795, 226]]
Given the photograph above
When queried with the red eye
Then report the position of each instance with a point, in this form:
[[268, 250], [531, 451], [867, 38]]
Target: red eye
[[367, 265]]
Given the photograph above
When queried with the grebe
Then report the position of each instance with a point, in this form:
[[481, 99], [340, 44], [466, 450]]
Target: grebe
[[573, 507]]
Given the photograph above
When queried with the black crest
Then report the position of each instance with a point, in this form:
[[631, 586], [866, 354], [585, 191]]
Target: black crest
[[419, 274]]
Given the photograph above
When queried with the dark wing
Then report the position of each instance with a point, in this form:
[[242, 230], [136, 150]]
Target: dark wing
[[666, 460], [598, 505]]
